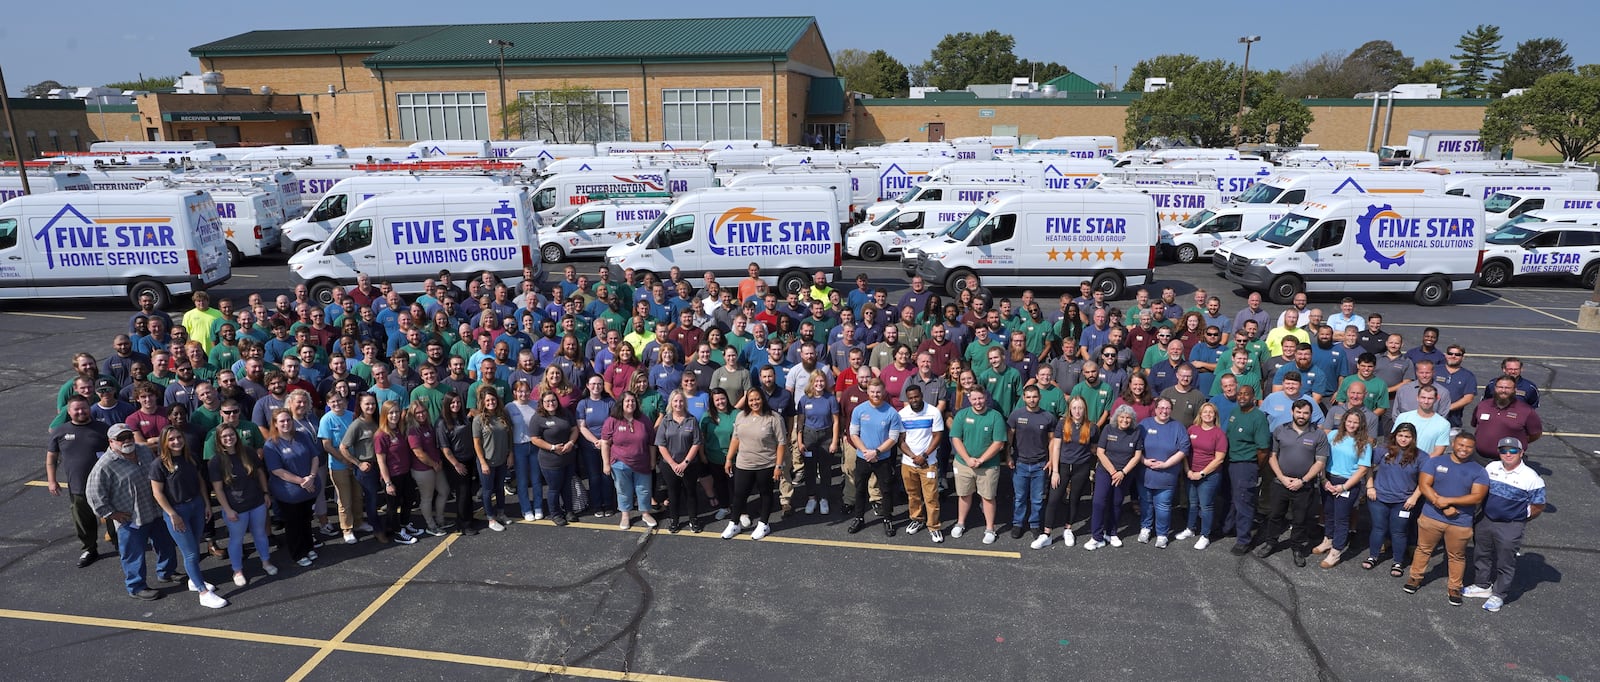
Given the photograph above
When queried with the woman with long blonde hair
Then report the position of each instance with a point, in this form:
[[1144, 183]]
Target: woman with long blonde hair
[[239, 479], [175, 479]]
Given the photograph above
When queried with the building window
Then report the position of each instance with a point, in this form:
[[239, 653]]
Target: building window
[[443, 115], [573, 115], [712, 114]]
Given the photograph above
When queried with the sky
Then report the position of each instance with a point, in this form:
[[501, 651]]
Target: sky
[[120, 40]]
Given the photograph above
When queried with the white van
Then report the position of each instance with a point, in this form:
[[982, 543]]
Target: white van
[[474, 149], [158, 147], [1202, 233], [790, 231], [407, 237], [903, 226], [1293, 186], [1483, 186], [40, 181], [557, 196], [1028, 172], [1232, 177], [1330, 159], [1074, 146], [315, 227], [124, 177], [549, 151], [1508, 204], [1175, 205], [597, 226], [250, 220], [837, 183], [1425, 245], [1571, 249], [742, 159], [88, 243], [1556, 215], [971, 193], [1047, 239]]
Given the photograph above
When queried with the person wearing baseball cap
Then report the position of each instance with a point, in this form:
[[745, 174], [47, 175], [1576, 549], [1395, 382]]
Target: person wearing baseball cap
[[119, 488], [1516, 496]]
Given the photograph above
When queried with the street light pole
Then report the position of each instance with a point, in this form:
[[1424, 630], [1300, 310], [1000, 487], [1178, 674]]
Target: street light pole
[[11, 129], [504, 125], [1245, 79]]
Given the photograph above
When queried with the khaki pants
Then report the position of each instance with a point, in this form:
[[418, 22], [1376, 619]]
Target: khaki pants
[[1429, 533], [922, 493], [349, 492], [847, 464], [794, 466]]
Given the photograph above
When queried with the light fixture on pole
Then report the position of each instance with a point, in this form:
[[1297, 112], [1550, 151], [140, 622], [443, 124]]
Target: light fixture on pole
[[503, 44], [1244, 79]]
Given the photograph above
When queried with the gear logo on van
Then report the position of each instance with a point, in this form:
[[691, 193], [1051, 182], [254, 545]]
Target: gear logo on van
[[741, 232], [1381, 230], [72, 240]]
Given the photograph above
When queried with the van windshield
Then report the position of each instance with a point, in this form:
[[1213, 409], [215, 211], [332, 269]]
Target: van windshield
[[1199, 219], [544, 199], [1259, 193], [1499, 203], [649, 232], [886, 217], [960, 231], [1287, 230], [1524, 218], [1510, 234]]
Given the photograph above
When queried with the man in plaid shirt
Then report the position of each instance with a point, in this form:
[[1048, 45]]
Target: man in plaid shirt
[[119, 489]]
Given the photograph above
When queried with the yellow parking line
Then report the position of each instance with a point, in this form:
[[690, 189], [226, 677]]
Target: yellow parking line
[[1420, 325], [789, 540], [512, 664], [1541, 312], [240, 274], [49, 315], [185, 630]]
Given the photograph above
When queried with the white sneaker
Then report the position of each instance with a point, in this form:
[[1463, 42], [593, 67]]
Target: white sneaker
[[1114, 541], [1067, 538], [350, 538], [625, 523], [529, 517], [413, 530], [303, 562], [989, 536], [269, 568], [1093, 544], [537, 516], [1184, 534], [1202, 543], [240, 580], [822, 506], [212, 600], [1476, 592], [1161, 542], [209, 587], [744, 520], [957, 530], [364, 527], [913, 527], [723, 513], [730, 531], [496, 526], [811, 506], [936, 536], [312, 555], [1041, 542], [1144, 535], [760, 532]]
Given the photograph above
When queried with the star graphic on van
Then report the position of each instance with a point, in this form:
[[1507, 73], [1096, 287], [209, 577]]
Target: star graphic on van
[[1069, 254], [1052, 253], [1099, 255], [1083, 255], [1186, 216], [228, 232], [1116, 254]]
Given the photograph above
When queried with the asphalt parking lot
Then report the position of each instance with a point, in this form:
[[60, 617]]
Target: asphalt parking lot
[[812, 602]]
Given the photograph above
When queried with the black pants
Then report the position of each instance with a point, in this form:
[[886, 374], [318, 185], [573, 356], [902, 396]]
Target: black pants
[[683, 494], [398, 506], [466, 490], [87, 525], [1065, 502], [884, 470], [1290, 506], [758, 481], [818, 475], [296, 527]]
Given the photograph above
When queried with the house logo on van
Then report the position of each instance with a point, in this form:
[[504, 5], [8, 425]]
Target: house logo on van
[[896, 181], [1382, 231], [72, 240], [1055, 179], [741, 232]]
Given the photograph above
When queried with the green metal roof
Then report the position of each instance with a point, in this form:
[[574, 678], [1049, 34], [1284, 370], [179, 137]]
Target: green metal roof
[[1071, 82], [629, 40], [313, 41]]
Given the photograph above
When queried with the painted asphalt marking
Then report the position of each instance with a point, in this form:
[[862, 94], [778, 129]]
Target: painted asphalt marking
[[52, 316], [1552, 316], [788, 540]]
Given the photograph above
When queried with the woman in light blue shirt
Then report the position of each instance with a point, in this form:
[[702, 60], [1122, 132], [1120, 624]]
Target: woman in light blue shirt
[[1349, 458]]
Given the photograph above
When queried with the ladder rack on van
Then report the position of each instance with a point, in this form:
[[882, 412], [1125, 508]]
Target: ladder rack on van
[[1165, 178], [485, 165]]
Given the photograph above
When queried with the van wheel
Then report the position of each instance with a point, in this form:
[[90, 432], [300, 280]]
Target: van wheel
[[1432, 291], [234, 257], [155, 289], [322, 291], [302, 245], [956, 281], [1284, 288], [1495, 274], [1188, 254], [871, 251], [792, 282], [552, 253], [1590, 274], [1111, 283]]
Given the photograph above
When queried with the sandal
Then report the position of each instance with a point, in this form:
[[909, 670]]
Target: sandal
[[1396, 570], [1370, 563]]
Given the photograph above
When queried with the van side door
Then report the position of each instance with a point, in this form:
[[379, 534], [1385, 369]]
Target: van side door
[[16, 265], [586, 231], [1323, 260], [1224, 227], [999, 251], [350, 251], [675, 244]]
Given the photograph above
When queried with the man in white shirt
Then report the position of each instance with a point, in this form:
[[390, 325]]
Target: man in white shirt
[[919, 466]]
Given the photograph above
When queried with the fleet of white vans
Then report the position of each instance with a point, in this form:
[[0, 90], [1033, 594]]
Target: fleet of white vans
[[598, 226], [1423, 244], [903, 226], [315, 227], [559, 195], [407, 237], [98, 244], [1204, 232], [1509, 204], [1571, 249], [790, 231]]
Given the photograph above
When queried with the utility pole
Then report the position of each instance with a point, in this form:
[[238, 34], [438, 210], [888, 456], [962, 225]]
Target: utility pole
[[11, 127], [505, 127]]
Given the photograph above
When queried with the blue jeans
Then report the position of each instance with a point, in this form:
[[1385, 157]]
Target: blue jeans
[[1336, 513], [1027, 480], [1203, 503], [131, 544], [601, 494], [1242, 480], [559, 483], [1106, 511], [1155, 506], [492, 488], [371, 487], [1386, 523], [193, 514], [255, 522], [530, 485], [631, 486]]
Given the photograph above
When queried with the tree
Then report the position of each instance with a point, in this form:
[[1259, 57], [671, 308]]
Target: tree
[[1589, 71], [1479, 58], [567, 114], [1436, 71], [917, 74], [961, 59], [151, 83], [875, 73], [1383, 58], [1041, 72], [1561, 110], [1202, 103], [1168, 66], [1532, 60], [1333, 75], [41, 88]]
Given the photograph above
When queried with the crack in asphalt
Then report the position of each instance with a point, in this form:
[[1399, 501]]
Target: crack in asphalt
[[1325, 672]]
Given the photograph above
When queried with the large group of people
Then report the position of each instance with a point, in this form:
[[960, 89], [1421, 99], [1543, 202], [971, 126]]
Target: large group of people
[[660, 402]]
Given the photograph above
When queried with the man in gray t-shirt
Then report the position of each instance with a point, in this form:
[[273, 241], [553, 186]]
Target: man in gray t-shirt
[[1299, 453]]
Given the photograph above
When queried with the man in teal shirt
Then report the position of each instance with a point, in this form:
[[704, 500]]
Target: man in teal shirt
[[1249, 442], [978, 436]]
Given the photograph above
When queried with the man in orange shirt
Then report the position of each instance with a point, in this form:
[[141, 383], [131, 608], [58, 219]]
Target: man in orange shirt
[[747, 286]]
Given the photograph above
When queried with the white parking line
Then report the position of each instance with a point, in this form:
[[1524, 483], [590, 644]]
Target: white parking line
[[1541, 312]]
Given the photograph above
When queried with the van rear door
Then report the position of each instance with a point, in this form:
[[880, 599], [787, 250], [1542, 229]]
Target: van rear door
[[210, 244]]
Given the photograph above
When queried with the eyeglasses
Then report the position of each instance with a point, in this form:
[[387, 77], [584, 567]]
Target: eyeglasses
[[1212, 334], [1510, 451], [230, 412], [1454, 353], [1108, 355]]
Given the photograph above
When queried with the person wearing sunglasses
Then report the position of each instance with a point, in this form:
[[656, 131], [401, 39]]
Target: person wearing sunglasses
[[1516, 496]]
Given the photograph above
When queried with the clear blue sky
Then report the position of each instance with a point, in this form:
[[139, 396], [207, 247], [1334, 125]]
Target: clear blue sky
[[98, 41]]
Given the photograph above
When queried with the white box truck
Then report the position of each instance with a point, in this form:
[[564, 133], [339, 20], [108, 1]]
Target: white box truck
[[1437, 145], [97, 244], [1425, 245]]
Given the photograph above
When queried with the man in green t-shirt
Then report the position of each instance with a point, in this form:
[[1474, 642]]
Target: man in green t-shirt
[[978, 437], [1249, 442]]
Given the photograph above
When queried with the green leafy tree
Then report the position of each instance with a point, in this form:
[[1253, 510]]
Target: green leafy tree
[[1389, 65], [566, 114], [1436, 71], [41, 88], [1589, 71], [1333, 74], [1532, 60], [1561, 110], [961, 59], [1041, 72], [1202, 103], [151, 83], [1478, 59], [875, 73], [1168, 66]]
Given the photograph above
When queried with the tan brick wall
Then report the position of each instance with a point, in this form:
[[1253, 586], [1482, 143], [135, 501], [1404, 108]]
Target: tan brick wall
[[40, 123], [117, 126], [812, 51]]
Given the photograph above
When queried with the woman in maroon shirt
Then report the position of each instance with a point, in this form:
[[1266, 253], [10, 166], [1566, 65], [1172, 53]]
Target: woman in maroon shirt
[[625, 450], [394, 466], [1208, 442]]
